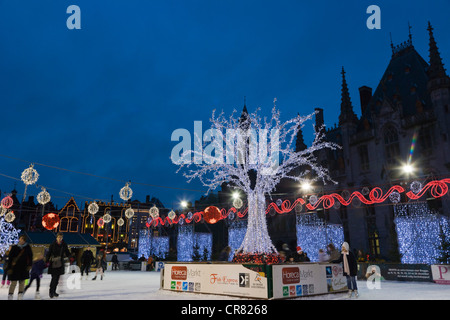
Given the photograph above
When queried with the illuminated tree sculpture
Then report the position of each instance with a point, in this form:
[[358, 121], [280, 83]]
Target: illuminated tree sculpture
[[251, 162]]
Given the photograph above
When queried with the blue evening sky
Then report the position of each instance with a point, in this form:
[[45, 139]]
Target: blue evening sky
[[105, 99]]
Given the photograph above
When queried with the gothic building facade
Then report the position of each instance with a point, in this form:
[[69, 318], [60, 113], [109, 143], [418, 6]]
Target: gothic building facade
[[405, 121]]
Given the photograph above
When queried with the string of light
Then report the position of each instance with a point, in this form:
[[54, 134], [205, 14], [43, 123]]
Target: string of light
[[437, 189]]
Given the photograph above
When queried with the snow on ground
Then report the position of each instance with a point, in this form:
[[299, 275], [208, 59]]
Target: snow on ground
[[137, 285]]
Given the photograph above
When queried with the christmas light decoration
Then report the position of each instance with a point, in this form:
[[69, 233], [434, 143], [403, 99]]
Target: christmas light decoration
[[236, 233], [120, 222], [10, 216], [100, 223], [238, 203], [437, 189], [418, 231], [314, 234], [43, 197], [171, 215], [107, 217], [129, 213], [256, 175], [8, 236], [50, 221], [30, 176], [187, 240], [126, 192], [212, 215], [93, 208], [154, 212], [7, 202], [155, 246]]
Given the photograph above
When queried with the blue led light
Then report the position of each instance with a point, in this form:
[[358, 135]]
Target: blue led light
[[314, 234], [418, 232]]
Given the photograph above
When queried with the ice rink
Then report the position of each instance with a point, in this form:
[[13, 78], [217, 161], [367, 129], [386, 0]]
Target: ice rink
[[137, 285]]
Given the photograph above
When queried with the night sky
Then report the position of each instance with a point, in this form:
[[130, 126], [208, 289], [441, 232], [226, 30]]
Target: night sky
[[105, 99]]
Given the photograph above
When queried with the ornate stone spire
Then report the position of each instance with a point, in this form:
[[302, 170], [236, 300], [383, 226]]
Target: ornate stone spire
[[347, 114], [436, 69]]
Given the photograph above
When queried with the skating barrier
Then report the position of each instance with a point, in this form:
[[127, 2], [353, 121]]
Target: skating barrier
[[258, 281]]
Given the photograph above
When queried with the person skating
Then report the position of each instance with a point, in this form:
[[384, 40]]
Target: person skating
[[99, 267], [20, 261], [86, 261], [55, 257], [36, 274]]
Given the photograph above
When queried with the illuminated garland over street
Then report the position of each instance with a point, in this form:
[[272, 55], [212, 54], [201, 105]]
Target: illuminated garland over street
[[437, 188]]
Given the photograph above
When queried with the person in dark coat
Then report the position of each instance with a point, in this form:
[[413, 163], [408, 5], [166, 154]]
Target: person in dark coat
[[348, 261], [86, 261], [20, 261], [115, 262], [55, 257]]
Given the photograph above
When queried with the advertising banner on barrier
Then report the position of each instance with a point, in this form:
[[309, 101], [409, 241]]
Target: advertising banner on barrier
[[441, 273], [298, 280], [226, 279]]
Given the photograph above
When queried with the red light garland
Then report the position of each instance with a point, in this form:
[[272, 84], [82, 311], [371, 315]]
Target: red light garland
[[438, 188]]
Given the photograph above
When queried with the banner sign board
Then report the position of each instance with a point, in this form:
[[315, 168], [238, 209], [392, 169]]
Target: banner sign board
[[225, 279], [441, 273], [297, 280]]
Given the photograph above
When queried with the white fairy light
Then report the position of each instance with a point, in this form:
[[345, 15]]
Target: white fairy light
[[154, 212], [93, 208], [416, 186], [29, 176], [10, 216], [43, 197], [107, 217], [256, 175], [126, 192], [171, 215], [237, 203], [129, 213]]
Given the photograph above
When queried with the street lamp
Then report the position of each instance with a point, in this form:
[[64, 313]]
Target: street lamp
[[306, 186], [184, 204]]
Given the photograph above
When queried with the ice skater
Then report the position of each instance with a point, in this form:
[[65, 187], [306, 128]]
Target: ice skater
[[99, 267], [36, 274]]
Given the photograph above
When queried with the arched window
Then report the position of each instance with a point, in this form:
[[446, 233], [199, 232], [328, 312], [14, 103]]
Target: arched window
[[391, 145]]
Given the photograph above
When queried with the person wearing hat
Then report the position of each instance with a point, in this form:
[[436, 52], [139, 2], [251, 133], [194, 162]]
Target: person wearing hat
[[301, 256], [350, 268]]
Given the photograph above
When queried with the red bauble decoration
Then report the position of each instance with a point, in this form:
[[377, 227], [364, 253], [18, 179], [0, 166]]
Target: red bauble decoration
[[50, 221], [7, 202], [100, 222], [211, 215]]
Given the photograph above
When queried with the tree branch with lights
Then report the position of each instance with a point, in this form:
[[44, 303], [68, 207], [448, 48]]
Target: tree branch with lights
[[246, 163]]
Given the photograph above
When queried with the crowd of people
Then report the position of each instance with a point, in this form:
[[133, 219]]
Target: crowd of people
[[20, 268]]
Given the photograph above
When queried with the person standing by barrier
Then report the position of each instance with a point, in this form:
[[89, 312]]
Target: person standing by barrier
[[55, 257], [348, 260], [20, 261]]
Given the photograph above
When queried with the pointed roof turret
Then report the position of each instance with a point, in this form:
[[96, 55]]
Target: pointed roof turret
[[347, 114], [436, 69]]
